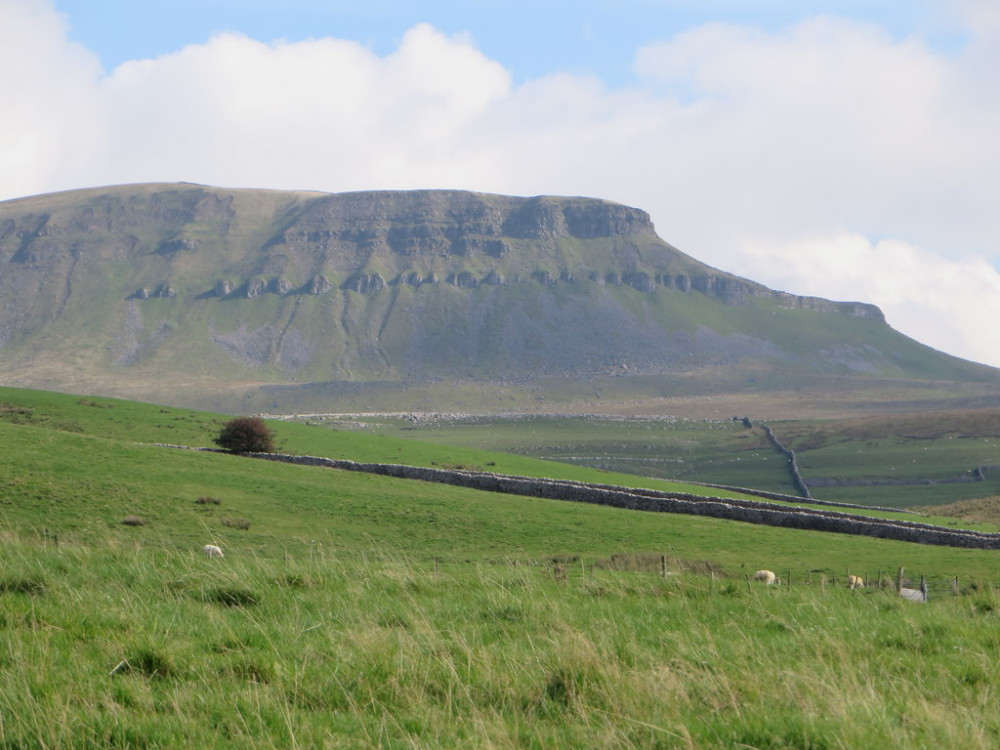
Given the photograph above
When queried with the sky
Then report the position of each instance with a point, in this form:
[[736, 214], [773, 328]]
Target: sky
[[847, 150]]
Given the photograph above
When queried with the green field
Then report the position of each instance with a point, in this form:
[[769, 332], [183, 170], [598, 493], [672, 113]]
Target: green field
[[135, 645], [908, 460], [352, 610], [894, 456], [719, 451]]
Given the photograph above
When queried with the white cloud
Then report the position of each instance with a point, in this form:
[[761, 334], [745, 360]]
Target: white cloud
[[324, 113], [831, 123], [52, 118], [951, 305], [739, 142]]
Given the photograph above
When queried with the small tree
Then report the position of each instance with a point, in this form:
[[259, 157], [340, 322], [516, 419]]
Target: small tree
[[246, 435]]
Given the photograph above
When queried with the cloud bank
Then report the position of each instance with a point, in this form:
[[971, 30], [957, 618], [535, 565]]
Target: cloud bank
[[826, 159]]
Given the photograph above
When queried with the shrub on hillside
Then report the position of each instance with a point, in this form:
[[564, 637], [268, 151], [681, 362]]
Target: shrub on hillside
[[246, 435]]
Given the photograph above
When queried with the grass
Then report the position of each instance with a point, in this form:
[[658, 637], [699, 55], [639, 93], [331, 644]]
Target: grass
[[718, 450], [143, 646], [915, 448], [352, 610]]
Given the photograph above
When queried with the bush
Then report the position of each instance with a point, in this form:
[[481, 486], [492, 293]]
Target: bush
[[246, 435]]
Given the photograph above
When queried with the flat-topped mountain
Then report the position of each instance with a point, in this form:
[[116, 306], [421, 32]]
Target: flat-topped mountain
[[197, 293]]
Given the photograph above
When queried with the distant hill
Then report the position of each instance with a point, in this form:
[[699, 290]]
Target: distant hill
[[293, 300]]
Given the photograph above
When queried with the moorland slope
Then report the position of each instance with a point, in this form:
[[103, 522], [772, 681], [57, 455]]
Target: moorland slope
[[214, 297]]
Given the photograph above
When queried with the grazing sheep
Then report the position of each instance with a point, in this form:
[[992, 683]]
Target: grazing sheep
[[212, 550], [855, 582], [766, 576]]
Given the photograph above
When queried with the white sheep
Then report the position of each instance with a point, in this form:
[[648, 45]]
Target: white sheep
[[212, 550], [767, 576], [855, 582]]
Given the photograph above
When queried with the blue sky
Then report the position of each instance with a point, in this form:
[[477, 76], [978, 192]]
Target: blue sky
[[532, 38], [845, 150]]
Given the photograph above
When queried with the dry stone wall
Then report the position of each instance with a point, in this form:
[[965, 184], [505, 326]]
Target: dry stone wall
[[747, 511]]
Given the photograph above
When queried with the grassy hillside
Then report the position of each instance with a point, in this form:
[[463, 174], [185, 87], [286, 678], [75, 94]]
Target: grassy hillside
[[291, 301], [358, 611], [78, 465]]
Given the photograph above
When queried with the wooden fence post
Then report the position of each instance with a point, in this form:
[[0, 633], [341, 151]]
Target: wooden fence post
[[663, 566], [899, 579]]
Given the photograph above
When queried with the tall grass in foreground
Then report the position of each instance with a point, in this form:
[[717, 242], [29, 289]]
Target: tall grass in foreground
[[126, 646]]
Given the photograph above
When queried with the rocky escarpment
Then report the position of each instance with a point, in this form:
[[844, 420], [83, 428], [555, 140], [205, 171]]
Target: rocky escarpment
[[289, 288], [366, 240]]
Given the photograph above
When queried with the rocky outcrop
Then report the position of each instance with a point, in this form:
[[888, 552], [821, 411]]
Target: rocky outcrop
[[853, 309], [254, 288], [365, 282], [544, 278], [223, 288], [640, 281], [162, 291], [318, 284], [464, 280]]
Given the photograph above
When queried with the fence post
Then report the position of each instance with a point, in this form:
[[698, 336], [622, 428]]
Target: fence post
[[954, 586], [899, 580], [881, 585], [663, 566]]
